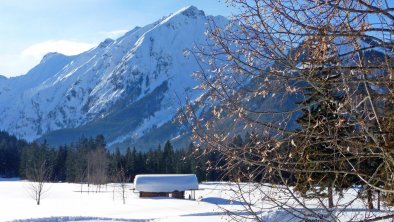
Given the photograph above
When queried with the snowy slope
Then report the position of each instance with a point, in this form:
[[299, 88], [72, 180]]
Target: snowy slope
[[122, 88]]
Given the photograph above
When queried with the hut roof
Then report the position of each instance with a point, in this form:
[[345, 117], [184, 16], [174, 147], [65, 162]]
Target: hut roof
[[165, 182]]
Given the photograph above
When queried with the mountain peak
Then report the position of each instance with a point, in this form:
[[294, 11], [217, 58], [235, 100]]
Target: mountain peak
[[106, 43], [51, 55], [191, 11]]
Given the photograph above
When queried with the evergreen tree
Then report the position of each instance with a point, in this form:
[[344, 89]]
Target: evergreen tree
[[168, 158], [321, 146], [130, 162], [10, 154], [59, 169]]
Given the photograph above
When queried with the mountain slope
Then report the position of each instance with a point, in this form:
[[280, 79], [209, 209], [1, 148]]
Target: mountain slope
[[123, 88]]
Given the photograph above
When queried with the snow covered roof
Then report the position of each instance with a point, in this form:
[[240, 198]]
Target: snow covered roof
[[165, 182]]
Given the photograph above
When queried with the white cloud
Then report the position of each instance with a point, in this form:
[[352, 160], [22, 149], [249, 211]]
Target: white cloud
[[15, 64], [37, 51], [115, 33]]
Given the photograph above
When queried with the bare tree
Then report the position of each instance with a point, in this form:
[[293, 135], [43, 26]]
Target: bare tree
[[81, 176], [97, 167], [39, 175], [313, 80], [123, 180]]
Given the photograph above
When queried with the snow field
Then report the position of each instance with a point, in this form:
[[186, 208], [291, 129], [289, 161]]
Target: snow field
[[65, 202], [215, 201]]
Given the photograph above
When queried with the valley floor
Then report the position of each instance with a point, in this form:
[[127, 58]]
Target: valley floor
[[66, 202]]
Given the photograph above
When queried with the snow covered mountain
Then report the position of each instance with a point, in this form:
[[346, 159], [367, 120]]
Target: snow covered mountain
[[124, 88]]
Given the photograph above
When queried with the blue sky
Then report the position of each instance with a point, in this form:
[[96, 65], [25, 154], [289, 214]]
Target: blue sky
[[30, 29]]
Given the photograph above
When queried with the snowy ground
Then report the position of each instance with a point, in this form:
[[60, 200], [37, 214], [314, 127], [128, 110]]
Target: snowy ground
[[65, 202]]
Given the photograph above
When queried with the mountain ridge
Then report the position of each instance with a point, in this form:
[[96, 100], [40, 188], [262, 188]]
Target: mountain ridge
[[101, 90]]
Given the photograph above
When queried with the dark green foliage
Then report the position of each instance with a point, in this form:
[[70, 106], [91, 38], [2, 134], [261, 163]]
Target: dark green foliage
[[59, 168], [10, 154], [34, 156], [78, 162], [168, 158], [165, 161]]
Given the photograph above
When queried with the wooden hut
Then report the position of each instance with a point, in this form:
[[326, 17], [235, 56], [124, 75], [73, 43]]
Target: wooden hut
[[166, 185]]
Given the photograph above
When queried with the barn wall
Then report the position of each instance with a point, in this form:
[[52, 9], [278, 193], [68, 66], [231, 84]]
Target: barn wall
[[154, 194], [178, 194], [175, 194]]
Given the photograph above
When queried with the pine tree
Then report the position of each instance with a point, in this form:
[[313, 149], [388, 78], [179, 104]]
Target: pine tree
[[130, 162], [59, 169], [168, 158], [320, 146]]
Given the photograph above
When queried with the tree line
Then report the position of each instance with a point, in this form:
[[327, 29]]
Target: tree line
[[89, 161]]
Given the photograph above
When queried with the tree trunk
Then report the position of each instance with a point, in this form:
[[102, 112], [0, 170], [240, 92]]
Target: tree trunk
[[330, 198], [370, 199], [378, 199]]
